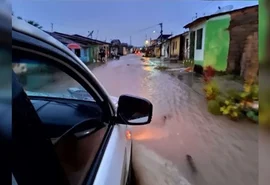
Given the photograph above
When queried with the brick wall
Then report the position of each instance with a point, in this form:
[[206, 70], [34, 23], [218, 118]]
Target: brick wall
[[243, 24], [249, 60]]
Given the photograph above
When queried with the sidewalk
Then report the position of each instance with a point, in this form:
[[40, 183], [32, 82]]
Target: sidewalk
[[194, 80], [165, 62]]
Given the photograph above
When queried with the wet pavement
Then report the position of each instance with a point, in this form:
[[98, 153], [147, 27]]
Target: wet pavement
[[224, 152]]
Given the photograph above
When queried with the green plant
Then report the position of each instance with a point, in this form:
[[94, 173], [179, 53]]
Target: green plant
[[208, 73], [211, 90], [250, 93], [161, 67], [188, 63], [253, 115], [234, 95], [214, 107], [221, 98], [231, 109]]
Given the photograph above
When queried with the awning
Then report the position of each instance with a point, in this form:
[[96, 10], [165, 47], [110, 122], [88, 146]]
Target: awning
[[74, 46]]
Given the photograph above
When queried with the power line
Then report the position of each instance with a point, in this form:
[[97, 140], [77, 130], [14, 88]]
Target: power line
[[148, 28]]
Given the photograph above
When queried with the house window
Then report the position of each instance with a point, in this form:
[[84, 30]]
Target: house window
[[78, 52], [199, 39], [85, 52], [187, 43]]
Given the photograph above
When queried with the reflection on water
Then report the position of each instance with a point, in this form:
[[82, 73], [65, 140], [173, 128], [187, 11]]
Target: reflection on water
[[145, 133], [225, 152]]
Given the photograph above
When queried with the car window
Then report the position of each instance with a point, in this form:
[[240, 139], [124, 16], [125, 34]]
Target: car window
[[77, 152], [39, 79]]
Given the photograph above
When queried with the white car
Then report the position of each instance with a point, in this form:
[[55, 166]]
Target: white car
[[67, 130]]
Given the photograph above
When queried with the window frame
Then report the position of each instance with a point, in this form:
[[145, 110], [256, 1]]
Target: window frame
[[85, 52], [79, 52], [24, 43], [199, 42]]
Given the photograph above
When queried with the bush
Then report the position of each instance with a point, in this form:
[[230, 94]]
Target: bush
[[221, 99], [252, 115], [211, 90], [231, 109], [234, 95], [208, 73], [214, 107]]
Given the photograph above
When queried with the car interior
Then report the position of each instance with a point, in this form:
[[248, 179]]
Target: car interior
[[34, 158], [59, 115], [68, 134]]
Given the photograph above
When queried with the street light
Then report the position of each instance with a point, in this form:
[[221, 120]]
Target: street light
[[146, 42]]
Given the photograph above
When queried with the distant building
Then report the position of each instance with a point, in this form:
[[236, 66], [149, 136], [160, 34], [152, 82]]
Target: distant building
[[124, 47], [116, 46], [85, 48], [157, 45]]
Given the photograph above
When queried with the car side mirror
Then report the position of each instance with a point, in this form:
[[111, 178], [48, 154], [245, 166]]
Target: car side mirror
[[134, 110]]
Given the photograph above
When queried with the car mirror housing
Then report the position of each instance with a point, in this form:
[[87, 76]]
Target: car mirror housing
[[134, 110]]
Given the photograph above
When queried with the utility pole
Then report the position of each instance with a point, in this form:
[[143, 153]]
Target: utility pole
[[130, 42], [161, 29], [51, 27], [161, 36]]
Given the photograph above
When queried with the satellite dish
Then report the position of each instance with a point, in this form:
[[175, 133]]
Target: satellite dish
[[224, 9], [90, 34]]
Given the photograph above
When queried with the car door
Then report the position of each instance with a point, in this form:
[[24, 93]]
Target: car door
[[110, 158]]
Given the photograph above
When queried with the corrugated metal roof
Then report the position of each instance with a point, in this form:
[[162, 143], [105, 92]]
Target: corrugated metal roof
[[90, 40], [205, 18], [76, 38]]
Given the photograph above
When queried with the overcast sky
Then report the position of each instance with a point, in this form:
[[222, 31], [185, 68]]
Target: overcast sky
[[111, 19]]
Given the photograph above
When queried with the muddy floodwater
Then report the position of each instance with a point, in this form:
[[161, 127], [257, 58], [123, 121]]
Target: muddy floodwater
[[224, 152]]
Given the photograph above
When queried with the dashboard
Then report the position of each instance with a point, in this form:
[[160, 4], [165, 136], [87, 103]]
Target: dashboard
[[58, 116]]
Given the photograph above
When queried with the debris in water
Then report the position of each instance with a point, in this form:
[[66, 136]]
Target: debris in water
[[164, 118], [128, 64], [191, 163]]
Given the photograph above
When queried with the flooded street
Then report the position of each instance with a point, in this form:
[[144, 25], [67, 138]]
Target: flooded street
[[224, 152]]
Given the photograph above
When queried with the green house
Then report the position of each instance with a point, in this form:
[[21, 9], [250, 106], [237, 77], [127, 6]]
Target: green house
[[218, 40]]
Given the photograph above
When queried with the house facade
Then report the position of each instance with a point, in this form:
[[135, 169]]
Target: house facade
[[175, 47], [162, 44], [165, 49], [87, 49], [80, 48], [219, 40], [157, 51], [186, 49], [124, 47]]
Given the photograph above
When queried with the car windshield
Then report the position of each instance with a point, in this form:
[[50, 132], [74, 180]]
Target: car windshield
[[39, 79], [71, 93]]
